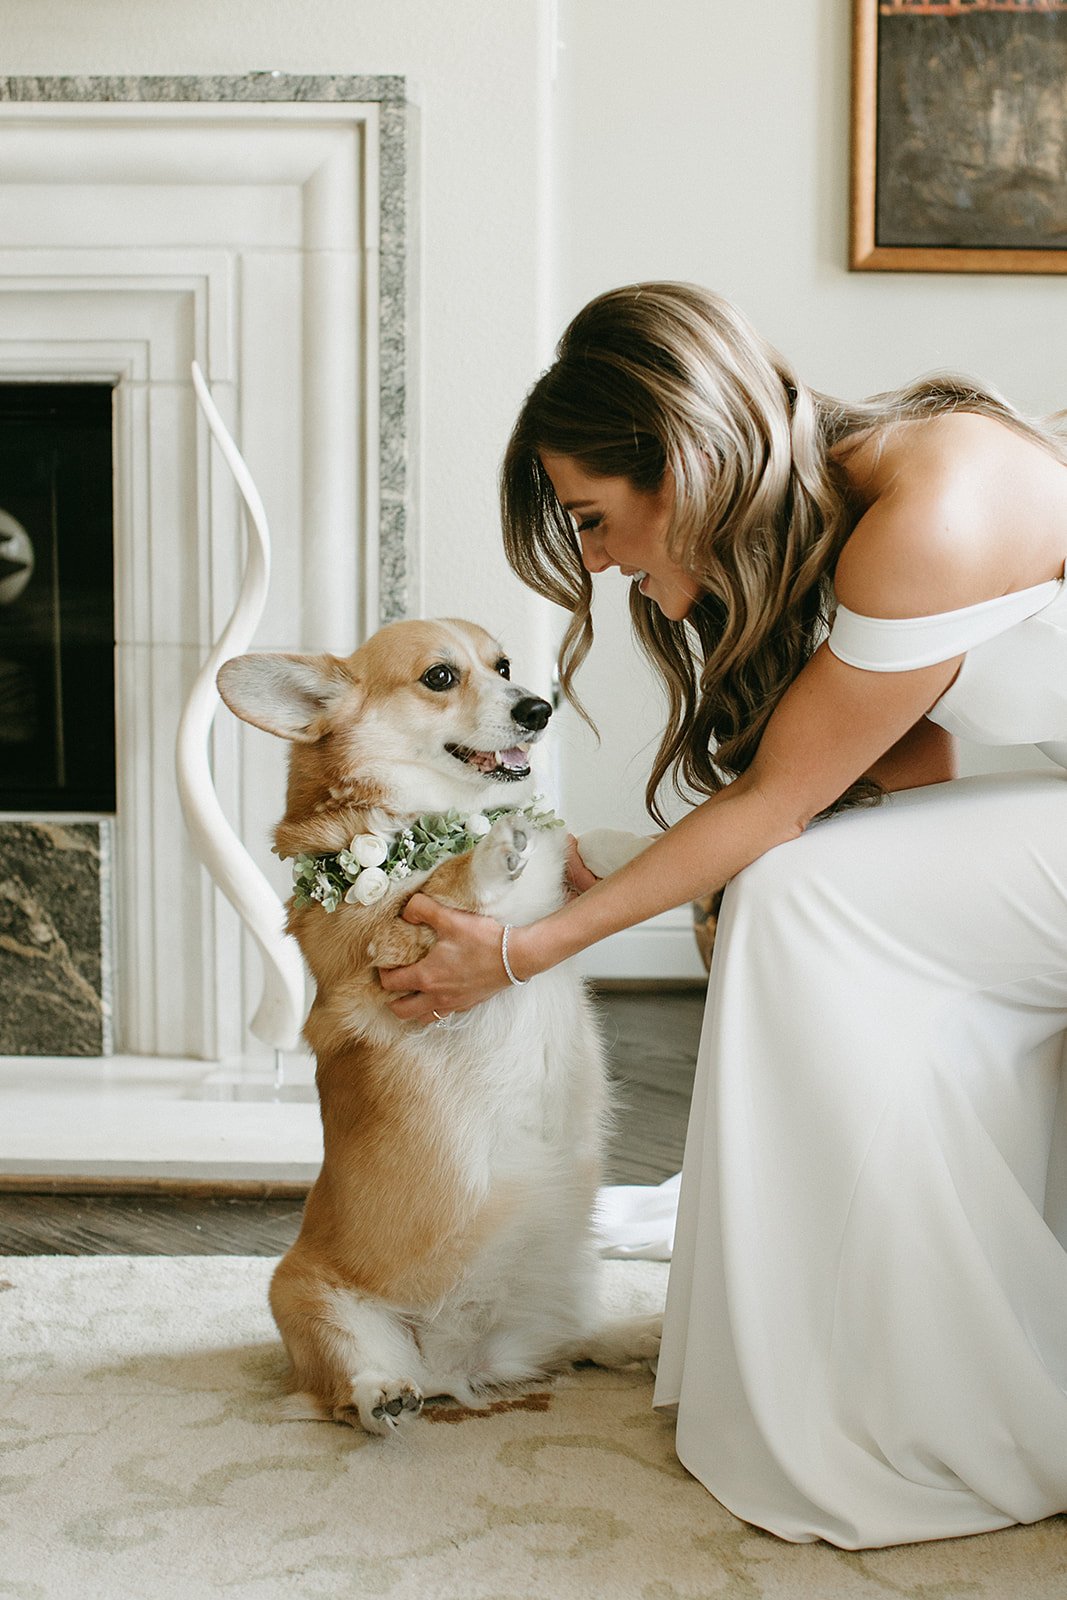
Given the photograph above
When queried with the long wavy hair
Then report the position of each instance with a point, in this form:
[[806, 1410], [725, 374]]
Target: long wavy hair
[[659, 377]]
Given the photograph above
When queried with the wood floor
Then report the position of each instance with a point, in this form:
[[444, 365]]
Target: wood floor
[[652, 1042]]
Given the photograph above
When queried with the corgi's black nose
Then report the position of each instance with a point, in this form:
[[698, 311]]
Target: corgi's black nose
[[531, 713]]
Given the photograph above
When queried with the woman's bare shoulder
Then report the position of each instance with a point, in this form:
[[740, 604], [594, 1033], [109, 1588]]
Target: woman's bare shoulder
[[958, 508], [941, 446]]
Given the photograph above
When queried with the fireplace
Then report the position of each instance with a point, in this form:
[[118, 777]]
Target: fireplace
[[57, 717], [257, 226], [57, 611]]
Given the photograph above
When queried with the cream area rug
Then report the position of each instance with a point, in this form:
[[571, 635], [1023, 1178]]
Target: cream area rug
[[142, 1459]]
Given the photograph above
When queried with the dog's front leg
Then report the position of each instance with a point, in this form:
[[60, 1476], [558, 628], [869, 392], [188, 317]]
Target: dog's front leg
[[475, 882], [479, 880]]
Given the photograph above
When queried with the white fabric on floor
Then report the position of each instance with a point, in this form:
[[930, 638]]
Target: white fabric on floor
[[636, 1220]]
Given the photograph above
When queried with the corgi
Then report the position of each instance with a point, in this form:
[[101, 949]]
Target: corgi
[[446, 1248]]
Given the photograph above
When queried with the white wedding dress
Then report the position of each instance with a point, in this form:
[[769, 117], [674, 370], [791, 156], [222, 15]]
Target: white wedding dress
[[866, 1327]]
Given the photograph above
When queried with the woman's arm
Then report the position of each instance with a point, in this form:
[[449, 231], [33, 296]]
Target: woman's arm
[[926, 754], [831, 726]]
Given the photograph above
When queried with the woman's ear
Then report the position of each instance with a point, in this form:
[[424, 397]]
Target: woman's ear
[[290, 696]]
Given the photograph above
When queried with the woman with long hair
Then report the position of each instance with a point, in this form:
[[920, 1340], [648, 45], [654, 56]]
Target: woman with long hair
[[866, 1326]]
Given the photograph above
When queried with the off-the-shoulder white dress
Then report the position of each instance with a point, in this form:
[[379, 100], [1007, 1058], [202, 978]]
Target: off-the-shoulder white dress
[[866, 1330]]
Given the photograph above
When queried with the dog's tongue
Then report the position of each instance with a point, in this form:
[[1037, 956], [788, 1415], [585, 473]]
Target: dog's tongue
[[515, 757]]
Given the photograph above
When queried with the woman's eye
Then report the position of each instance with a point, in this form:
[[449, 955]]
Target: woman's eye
[[503, 666], [439, 677], [589, 524]]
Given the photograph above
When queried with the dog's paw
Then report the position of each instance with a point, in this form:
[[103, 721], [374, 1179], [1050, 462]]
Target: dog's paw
[[502, 855], [643, 1336], [624, 1340], [385, 1404]]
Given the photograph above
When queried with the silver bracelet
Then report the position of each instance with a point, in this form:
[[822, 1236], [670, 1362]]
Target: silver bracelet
[[518, 982]]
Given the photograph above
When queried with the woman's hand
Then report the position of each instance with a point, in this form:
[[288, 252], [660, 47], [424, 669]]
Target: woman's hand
[[578, 876], [464, 966], [462, 969]]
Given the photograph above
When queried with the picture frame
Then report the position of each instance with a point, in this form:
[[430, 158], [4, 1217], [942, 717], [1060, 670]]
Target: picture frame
[[959, 140]]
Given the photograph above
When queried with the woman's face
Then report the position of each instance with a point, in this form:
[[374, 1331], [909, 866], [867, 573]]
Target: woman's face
[[620, 526]]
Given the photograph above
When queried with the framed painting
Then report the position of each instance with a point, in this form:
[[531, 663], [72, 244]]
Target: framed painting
[[959, 136]]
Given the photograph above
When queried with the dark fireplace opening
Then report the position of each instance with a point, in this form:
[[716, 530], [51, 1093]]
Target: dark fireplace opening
[[57, 607]]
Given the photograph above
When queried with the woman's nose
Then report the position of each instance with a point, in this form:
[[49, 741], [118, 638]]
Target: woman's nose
[[593, 557]]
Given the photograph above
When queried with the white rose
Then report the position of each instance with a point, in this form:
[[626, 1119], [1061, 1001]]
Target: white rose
[[369, 850], [478, 826], [371, 884]]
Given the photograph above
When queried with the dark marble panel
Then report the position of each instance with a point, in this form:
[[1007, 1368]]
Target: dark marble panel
[[54, 971]]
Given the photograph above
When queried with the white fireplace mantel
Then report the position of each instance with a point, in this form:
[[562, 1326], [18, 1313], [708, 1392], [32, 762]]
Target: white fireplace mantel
[[257, 226]]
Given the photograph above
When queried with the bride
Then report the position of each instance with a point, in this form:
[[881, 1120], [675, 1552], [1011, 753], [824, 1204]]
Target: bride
[[866, 1325]]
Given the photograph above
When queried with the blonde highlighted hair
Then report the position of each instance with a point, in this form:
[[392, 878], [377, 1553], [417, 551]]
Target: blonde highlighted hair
[[660, 377]]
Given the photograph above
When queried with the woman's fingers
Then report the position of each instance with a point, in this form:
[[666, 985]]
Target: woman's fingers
[[423, 908], [461, 969], [443, 920], [410, 1008], [579, 877]]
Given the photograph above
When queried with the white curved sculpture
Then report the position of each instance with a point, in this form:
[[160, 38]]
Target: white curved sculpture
[[280, 1014]]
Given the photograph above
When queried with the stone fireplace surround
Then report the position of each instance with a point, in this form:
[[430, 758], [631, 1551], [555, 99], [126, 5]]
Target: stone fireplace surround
[[259, 225]]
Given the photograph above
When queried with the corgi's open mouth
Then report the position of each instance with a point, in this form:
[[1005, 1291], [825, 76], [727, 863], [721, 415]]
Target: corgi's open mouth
[[506, 765]]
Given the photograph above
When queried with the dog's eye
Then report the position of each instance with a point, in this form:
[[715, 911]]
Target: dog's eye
[[503, 666], [439, 677]]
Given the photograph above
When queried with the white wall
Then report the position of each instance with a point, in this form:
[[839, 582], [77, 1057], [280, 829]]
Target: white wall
[[708, 140]]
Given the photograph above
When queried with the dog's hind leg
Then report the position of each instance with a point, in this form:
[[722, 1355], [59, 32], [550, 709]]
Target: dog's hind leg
[[619, 1342], [382, 1400], [354, 1359]]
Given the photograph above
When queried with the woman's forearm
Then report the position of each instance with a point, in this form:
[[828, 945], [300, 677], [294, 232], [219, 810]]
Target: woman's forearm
[[697, 855]]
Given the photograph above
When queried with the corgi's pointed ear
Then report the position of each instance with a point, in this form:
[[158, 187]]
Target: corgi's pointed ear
[[290, 696]]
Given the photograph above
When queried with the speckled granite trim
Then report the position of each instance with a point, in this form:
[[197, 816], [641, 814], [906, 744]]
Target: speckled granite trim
[[55, 964], [106, 901], [397, 553]]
